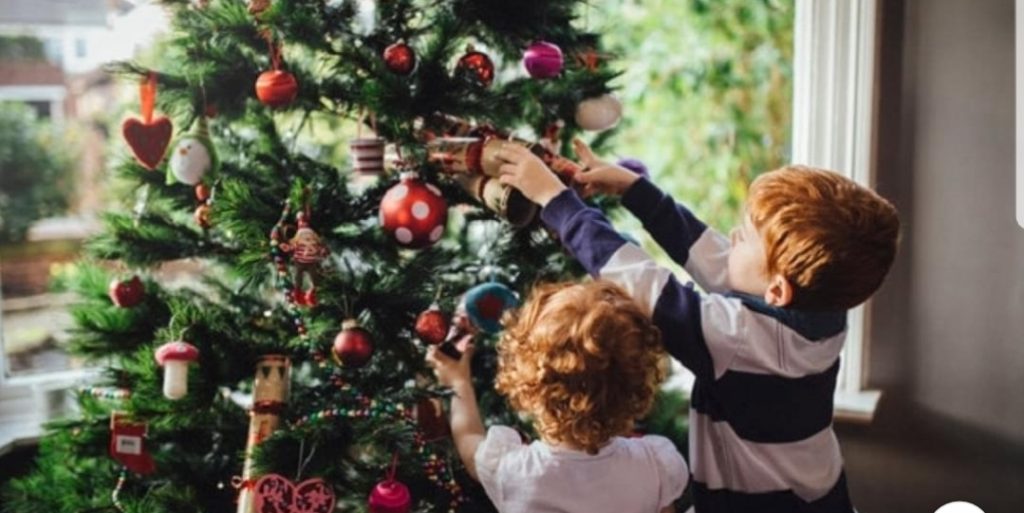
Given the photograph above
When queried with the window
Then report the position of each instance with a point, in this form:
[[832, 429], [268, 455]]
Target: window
[[833, 116], [81, 48]]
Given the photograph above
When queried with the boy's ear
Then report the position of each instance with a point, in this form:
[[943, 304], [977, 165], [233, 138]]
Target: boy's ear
[[780, 292]]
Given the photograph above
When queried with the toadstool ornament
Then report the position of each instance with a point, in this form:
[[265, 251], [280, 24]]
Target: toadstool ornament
[[174, 357]]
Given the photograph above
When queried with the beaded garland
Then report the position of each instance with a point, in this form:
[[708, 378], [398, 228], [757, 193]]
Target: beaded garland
[[108, 393], [434, 466]]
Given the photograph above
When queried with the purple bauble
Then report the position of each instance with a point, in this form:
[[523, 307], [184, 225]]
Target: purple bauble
[[635, 165], [543, 60]]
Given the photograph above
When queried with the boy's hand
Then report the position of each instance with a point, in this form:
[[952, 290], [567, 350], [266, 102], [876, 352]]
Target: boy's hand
[[528, 173], [450, 372], [600, 176]]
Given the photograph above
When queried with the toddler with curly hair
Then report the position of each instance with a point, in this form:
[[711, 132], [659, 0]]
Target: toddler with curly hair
[[583, 362]]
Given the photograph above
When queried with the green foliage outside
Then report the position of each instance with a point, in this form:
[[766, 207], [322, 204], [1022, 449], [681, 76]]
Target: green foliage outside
[[707, 86], [35, 173]]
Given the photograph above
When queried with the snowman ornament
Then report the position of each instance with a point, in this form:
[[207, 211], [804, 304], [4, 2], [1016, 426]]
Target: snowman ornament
[[192, 157]]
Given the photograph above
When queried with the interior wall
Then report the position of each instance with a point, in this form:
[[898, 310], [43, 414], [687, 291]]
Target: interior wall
[[947, 340]]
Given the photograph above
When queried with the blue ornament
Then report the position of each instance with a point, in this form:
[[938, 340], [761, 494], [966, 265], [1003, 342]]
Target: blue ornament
[[635, 165], [486, 303]]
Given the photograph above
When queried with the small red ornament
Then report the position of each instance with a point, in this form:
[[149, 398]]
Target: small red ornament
[[414, 212], [276, 494], [476, 66], [202, 216], [543, 60], [276, 88], [400, 58], [432, 325], [353, 347], [202, 192], [390, 496], [128, 293]]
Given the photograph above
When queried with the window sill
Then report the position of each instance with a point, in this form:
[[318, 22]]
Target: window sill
[[28, 402]]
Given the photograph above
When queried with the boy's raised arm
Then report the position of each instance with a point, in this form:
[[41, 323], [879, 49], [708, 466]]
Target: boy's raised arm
[[701, 250], [674, 307]]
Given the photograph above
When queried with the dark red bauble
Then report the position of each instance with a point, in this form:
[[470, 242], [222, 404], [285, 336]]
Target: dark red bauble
[[276, 88], [414, 212], [432, 325], [400, 58], [353, 347], [390, 497], [127, 293], [477, 66]]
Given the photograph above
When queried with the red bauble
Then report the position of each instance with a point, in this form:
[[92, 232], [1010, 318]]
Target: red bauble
[[432, 325], [148, 140], [128, 293], [390, 497], [414, 212], [353, 347], [276, 88], [477, 66], [400, 58], [202, 192]]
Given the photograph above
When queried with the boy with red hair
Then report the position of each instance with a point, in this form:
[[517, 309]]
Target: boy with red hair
[[764, 341]]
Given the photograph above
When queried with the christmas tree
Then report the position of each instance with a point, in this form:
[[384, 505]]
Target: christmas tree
[[292, 377]]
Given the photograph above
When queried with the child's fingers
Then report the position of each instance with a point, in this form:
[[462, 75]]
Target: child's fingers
[[507, 179], [584, 152], [508, 169]]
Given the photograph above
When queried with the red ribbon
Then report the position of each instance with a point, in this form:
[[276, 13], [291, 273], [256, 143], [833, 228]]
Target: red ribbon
[[147, 96]]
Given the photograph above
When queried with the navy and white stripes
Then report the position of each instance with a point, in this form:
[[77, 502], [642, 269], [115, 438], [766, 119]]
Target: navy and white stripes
[[761, 410]]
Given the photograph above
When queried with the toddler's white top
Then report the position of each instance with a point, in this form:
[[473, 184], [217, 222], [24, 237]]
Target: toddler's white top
[[629, 475]]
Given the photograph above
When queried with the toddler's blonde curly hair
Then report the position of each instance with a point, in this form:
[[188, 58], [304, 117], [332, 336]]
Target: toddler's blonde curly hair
[[583, 360]]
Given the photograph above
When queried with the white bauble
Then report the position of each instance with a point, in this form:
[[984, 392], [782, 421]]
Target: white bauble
[[190, 160], [600, 113]]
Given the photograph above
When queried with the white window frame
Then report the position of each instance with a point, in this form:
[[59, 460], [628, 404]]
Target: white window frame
[[1019, 49], [834, 112]]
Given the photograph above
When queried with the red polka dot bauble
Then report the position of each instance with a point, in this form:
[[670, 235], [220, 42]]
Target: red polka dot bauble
[[413, 212], [400, 58], [276, 88], [432, 325]]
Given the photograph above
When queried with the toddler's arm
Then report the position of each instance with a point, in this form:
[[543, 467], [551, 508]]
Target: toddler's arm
[[467, 428]]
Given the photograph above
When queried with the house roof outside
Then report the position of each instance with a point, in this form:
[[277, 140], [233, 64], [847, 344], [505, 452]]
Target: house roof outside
[[30, 73], [57, 12]]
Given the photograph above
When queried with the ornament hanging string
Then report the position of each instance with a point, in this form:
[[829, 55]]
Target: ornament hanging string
[[147, 96], [115, 495], [275, 50], [394, 467]]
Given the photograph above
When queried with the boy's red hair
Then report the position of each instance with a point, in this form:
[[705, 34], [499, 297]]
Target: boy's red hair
[[832, 239]]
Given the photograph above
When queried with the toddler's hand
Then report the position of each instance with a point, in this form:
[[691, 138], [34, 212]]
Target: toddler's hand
[[528, 173], [600, 176], [450, 372]]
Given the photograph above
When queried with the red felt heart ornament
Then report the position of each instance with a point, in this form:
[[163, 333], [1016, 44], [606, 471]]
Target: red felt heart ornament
[[276, 494], [148, 141]]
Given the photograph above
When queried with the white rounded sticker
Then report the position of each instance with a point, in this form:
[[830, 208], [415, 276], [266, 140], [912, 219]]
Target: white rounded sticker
[[959, 507]]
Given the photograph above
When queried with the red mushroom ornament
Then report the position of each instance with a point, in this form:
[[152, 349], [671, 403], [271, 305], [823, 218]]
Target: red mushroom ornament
[[174, 357]]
